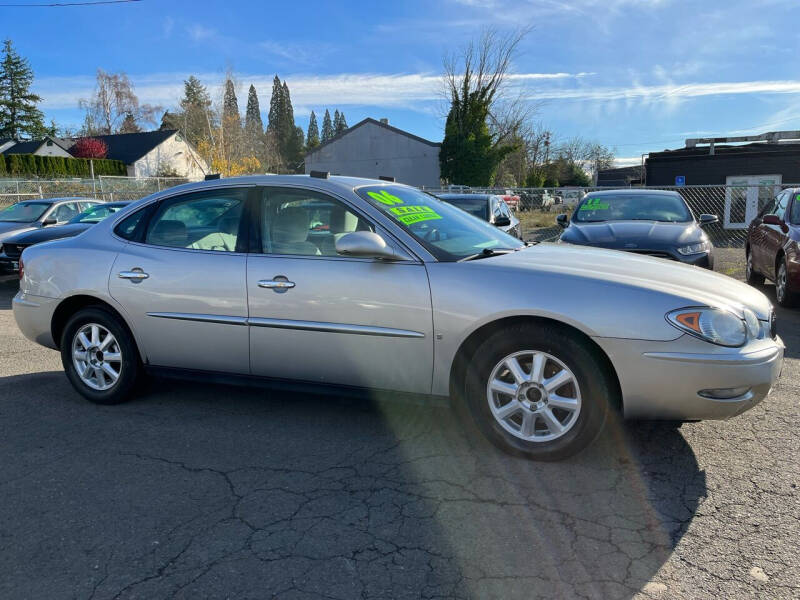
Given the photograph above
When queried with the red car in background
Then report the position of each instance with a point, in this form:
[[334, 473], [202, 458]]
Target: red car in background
[[773, 247], [511, 199]]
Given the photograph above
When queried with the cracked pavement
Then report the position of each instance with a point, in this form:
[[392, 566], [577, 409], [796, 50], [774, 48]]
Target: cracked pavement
[[207, 491]]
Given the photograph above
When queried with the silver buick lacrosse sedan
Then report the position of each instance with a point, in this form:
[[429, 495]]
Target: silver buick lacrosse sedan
[[370, 284]]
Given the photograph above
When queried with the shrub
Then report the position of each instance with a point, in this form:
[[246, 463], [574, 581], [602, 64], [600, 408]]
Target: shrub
[[89, 148], [58, 166]]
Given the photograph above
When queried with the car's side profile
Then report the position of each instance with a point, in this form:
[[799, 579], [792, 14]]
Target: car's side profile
[[34, 214], [360, 283], [773, 247]]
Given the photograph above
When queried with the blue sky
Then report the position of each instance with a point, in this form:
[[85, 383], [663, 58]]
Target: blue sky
[[637, 75]]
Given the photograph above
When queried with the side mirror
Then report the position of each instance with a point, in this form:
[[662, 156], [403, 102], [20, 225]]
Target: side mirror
[[502, 221], [49, 221], [563, 221], [366, 244], [774, 220], [706, 219]]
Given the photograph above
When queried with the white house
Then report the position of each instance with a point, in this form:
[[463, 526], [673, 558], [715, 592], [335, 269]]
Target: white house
[[373, 149], [145, 154]]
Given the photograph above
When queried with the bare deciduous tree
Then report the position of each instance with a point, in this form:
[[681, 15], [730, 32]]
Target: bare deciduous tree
[[113, 101]]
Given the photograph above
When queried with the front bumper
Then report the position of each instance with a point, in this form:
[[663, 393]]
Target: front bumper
[[661, 380], [34, 316]]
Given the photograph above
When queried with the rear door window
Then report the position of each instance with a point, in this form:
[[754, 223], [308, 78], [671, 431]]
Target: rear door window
[[200, 221]]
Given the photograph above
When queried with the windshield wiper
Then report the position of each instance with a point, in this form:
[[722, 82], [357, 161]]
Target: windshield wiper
[[486, 253]]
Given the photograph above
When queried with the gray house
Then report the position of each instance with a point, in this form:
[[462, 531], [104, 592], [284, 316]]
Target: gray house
[[373, 149]]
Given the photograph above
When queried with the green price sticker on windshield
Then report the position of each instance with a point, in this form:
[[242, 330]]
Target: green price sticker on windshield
[[594, 204], [414, 214], [385, 197]]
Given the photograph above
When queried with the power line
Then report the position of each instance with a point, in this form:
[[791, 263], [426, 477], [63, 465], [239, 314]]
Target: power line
[[63, 4]]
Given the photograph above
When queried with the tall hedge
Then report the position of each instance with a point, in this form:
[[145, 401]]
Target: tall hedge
[[55, 167]]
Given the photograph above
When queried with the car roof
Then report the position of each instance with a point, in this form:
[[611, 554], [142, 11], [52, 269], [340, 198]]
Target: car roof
[[633, 192], [464, 196], [332, 183]]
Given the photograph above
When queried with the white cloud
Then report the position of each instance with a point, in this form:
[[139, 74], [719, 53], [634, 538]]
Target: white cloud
[[200, 32]]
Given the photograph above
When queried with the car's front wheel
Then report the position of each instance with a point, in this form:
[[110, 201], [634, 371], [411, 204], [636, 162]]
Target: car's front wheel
[[99, 356], [752, 277], [786, 296], [539, 391]]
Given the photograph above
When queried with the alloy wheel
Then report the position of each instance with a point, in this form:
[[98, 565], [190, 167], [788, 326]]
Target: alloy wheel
[[97, 356], [534, 396], [780, 283]]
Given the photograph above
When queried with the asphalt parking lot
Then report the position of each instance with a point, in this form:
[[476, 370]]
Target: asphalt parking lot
[[197, 491]]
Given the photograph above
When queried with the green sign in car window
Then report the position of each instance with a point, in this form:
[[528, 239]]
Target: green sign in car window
[[447, 232]]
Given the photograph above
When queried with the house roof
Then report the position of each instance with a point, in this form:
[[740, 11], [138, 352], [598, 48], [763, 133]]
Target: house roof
[[26, 147], [379, 124], [130, 147]]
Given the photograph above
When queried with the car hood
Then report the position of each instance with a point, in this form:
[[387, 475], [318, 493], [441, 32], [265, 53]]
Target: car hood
[[697, 286], [37, 236], [8, 229], [647, 235]]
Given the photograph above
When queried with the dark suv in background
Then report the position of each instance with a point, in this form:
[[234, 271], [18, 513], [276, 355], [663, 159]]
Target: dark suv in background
[[772, 247]]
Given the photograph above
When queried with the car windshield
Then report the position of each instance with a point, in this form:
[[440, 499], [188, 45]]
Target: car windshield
[[96, 213], [632, 207], [24, 212], [447, 232], [476, 206]]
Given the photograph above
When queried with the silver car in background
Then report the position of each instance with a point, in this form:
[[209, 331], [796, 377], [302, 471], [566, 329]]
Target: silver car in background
[[353, 282]]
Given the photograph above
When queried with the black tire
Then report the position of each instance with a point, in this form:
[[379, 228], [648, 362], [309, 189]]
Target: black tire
[[597, 386], [751, 276], [784, 294], [131, 367]]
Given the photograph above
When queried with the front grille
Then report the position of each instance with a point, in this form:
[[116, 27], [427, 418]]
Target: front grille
[[13, 250], [655, 253]]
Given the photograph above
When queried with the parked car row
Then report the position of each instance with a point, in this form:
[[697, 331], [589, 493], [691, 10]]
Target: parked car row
[[339, 281], [36, 221]]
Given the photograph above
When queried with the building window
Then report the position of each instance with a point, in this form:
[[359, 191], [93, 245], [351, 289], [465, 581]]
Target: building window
[[746, 196]]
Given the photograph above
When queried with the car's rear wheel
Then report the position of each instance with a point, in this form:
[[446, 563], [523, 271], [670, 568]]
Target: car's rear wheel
[[99, 356], [752, 277], [786, 296], [539, 391]]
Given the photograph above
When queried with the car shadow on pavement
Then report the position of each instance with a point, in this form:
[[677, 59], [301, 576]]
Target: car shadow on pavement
[[788, 322], [198, 490], [8, 289]]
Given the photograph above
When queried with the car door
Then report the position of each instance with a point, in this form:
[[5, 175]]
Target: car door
[[319, 317], [757, 236], [774, 236], [181, 280]]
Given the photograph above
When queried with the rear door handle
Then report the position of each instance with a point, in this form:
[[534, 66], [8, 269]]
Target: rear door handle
[[135, 275], [276, 284]]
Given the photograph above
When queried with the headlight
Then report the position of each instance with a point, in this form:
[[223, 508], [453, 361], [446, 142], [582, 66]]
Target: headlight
[[698, 248], [752, 323], [714, 325]]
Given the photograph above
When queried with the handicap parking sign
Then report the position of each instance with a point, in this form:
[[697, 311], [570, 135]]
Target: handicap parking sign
[[680, 180]]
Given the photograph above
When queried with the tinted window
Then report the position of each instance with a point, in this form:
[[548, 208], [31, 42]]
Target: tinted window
[[632, 207], [447, 232], [127, 228], [24, 212], [201, 221], [96, 213], [780, 208], [478, 207], [304, 222], [794, 218]]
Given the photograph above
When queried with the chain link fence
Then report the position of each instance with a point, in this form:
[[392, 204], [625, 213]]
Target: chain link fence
[[105, 188], [735, 206]]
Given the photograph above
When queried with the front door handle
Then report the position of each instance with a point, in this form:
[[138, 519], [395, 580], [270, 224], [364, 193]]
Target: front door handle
[[134, 275], [276, 284]]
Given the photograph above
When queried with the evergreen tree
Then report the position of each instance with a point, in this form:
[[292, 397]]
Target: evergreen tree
[[129, 125], [253, 125], [290, 136], [230, 106], [327, 127], [195, 119], [342, 126], [19, 115], [275, 107], [337, 122], [312, 137]]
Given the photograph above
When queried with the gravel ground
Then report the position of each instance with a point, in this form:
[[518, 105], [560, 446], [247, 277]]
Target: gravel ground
[[199, 491]]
